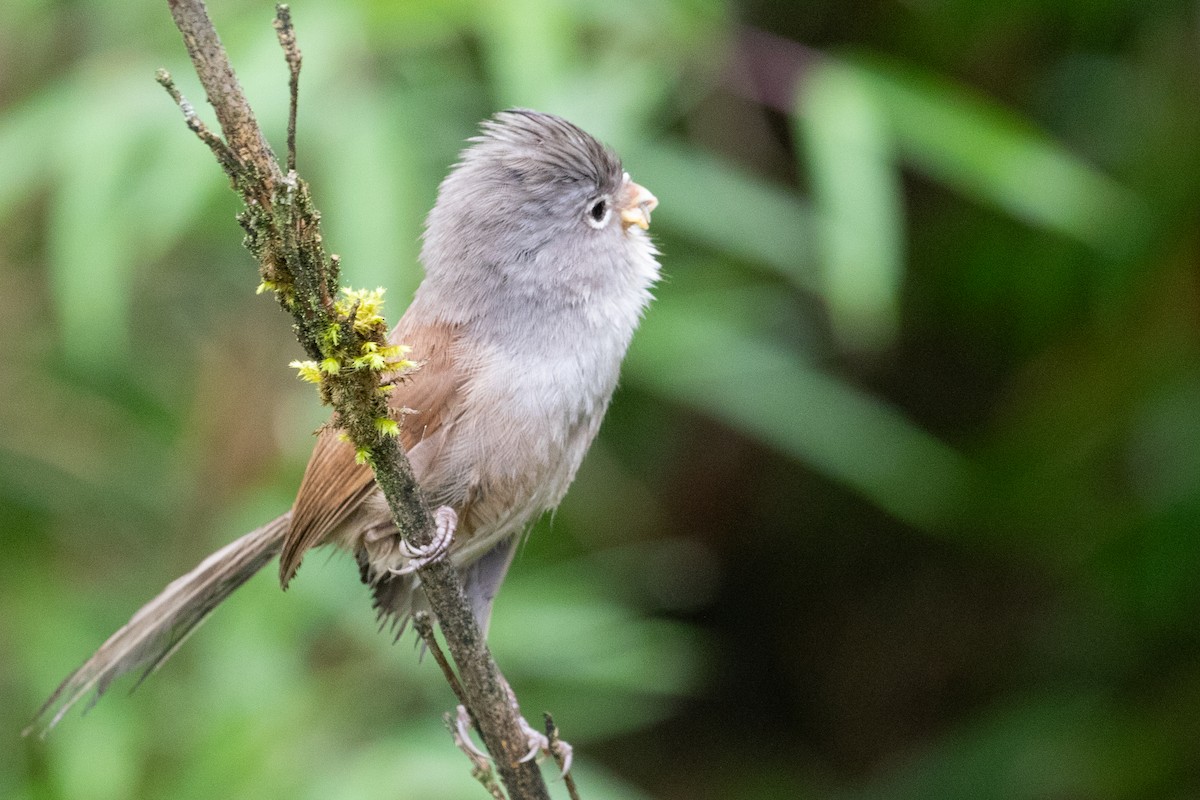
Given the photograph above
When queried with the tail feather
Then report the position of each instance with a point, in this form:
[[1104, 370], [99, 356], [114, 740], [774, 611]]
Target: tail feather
[[156, 631], [394, 597]]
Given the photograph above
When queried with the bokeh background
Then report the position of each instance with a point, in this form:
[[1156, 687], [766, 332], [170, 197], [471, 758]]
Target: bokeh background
[[899, 496]]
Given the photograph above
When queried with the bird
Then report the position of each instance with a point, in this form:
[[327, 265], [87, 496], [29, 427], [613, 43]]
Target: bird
[[538, 268]]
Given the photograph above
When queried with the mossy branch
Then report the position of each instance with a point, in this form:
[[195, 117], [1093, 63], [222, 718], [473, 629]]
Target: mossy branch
[[344, 336]]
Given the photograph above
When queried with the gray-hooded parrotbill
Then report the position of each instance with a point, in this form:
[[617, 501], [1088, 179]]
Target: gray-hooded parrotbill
[[537, 271]]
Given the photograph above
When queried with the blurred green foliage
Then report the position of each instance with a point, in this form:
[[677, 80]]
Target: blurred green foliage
[[899, 497]]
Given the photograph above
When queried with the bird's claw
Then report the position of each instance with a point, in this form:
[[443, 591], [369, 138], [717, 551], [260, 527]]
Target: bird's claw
[[446, 522], [563, 754], [542, 745], [462, 738], [539, 743]]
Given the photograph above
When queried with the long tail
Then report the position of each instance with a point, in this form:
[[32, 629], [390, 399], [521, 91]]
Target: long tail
[[157, 630]]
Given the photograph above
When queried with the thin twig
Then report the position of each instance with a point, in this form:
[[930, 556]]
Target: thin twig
[[423, 624], [557, 749], [215, 143], [291, 52], [424, 627]]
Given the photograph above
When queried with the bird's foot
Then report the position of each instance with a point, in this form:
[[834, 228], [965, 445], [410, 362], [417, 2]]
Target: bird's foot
[[446, 522], [481, 763], [462, 738], [539, 744]]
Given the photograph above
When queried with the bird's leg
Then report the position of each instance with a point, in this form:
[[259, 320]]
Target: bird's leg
[[446, 522], [539, 743]]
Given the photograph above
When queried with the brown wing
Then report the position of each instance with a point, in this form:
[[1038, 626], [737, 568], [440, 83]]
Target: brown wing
[[334, 486]]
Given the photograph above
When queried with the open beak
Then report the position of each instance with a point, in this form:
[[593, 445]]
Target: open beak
[[636, 204]]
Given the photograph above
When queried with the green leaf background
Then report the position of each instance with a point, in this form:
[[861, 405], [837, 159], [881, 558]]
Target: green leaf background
[[899, 495]]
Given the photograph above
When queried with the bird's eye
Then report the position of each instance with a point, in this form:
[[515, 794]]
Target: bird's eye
[[598, 213]]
